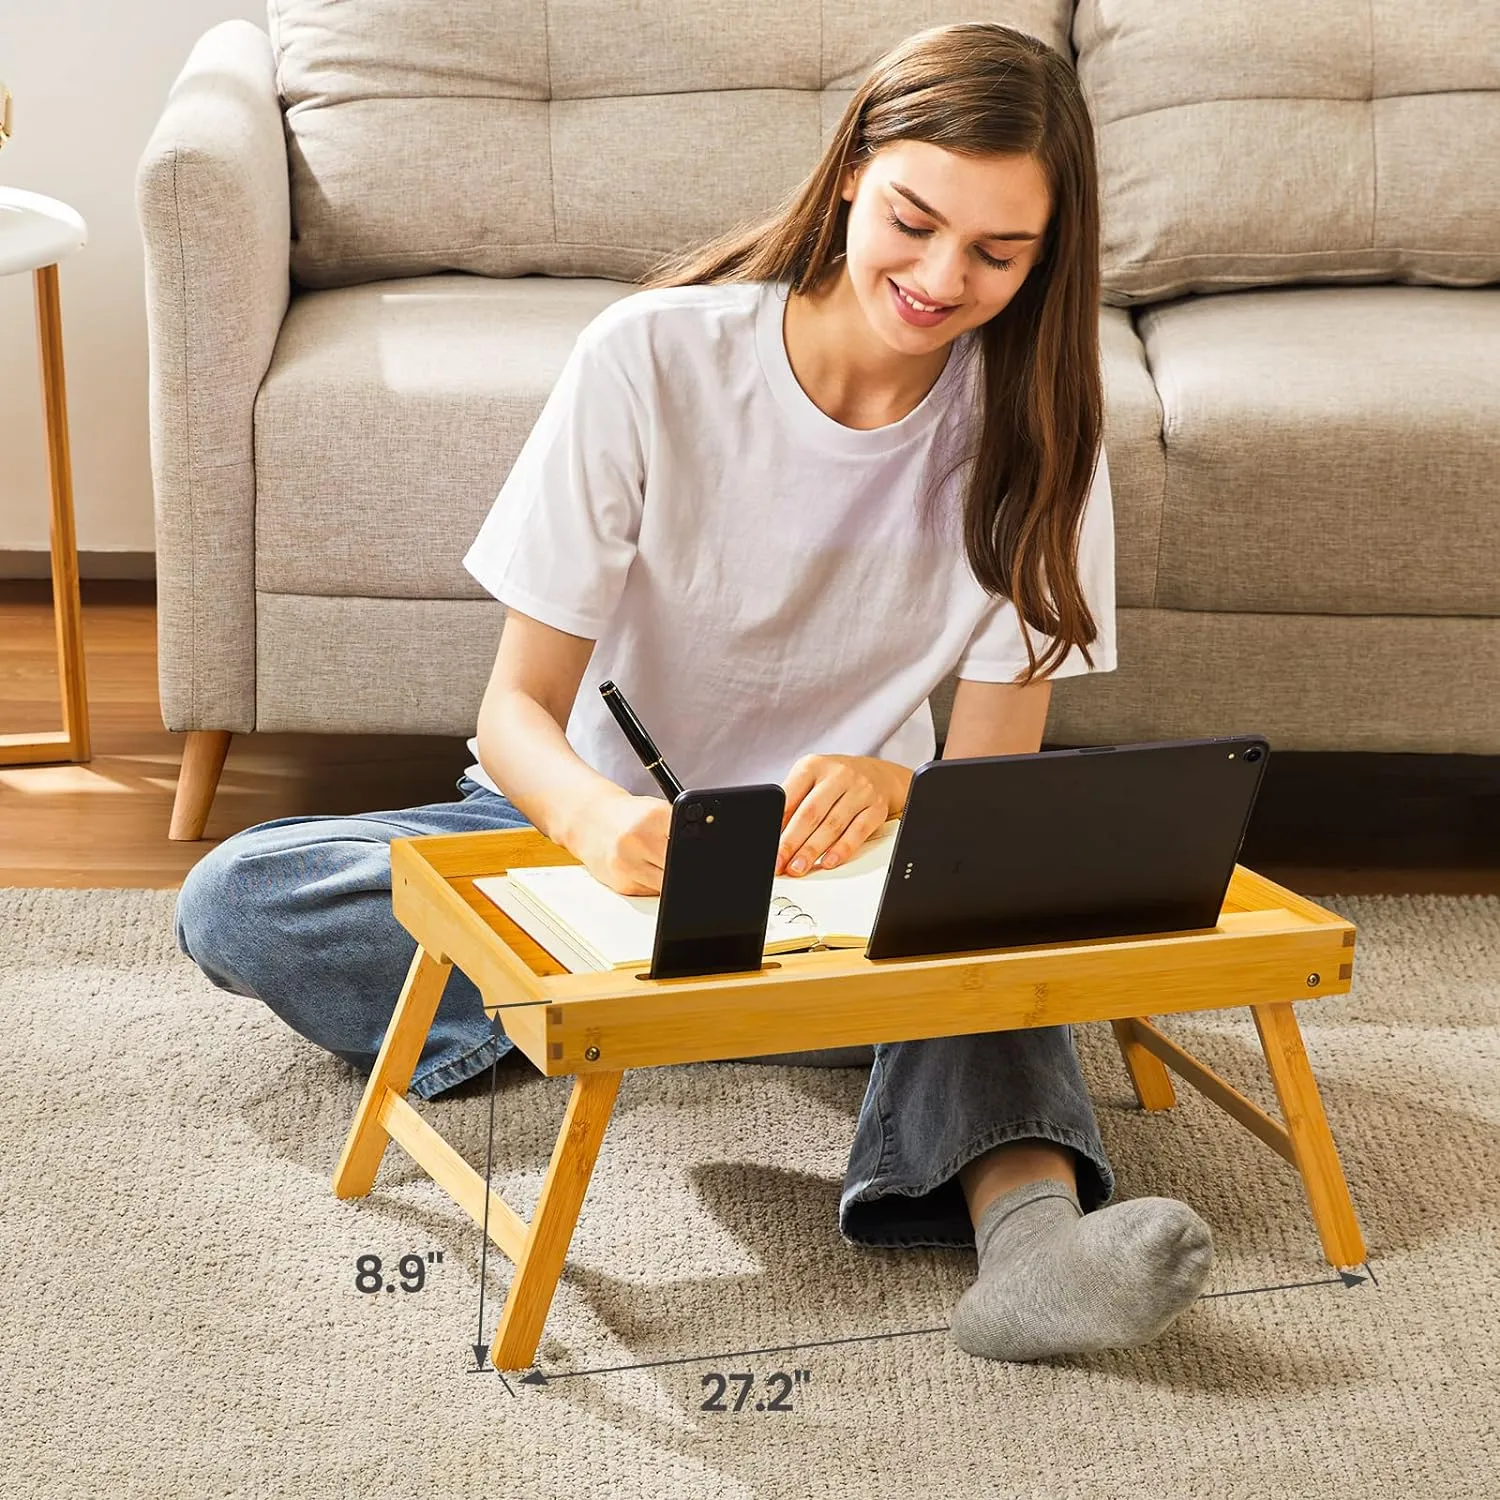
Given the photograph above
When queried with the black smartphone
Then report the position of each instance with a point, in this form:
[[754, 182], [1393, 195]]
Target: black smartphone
[[716, 887]]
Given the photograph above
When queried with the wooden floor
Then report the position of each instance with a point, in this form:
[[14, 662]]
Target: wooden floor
[[1324, 823]]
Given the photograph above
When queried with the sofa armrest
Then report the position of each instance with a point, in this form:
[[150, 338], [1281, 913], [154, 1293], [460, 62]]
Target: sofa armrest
[[214, 209]]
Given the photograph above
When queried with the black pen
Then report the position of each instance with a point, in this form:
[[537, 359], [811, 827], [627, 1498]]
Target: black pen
[[640, 741]]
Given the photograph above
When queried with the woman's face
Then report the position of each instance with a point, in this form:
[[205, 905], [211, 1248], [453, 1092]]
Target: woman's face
[[955, 233]]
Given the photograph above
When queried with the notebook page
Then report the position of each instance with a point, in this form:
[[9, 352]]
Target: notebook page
[[843, 901], [533, 921], [583, 932], [611, 931], [618, 930]]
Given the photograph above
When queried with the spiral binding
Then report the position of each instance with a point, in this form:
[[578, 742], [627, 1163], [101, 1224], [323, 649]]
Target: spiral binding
[[789, 911]]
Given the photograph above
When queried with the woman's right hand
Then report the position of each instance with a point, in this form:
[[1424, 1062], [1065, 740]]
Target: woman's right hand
[[622, 841]]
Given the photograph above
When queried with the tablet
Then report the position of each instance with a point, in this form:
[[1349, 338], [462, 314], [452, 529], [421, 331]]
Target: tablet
[[1107, 841]]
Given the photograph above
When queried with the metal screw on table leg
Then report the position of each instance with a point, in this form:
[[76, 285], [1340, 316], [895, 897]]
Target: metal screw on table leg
[[1314, 980], [592, 1054]]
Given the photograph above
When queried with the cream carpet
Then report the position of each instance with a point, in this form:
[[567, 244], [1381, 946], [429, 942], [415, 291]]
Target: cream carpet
[[181, 1316]]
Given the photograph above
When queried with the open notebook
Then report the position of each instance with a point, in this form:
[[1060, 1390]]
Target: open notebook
[[585, 925]]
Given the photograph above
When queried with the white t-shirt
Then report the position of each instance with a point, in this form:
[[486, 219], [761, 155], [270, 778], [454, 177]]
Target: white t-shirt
[[756, 576]]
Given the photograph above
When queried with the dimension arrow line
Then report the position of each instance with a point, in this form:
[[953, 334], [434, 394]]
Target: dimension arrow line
[[484, 1233], [541, 1377], [698, 1359], [1286, 1286]]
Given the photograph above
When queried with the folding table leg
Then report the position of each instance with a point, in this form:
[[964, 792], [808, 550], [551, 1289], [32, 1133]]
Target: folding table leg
[[1148, 1073], [412, 1019], [540, 1266], [1313, 1150]]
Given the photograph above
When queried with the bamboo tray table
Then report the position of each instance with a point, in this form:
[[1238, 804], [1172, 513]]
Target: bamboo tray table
[[1270, 947]]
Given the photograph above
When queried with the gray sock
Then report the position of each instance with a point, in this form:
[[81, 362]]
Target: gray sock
[[1054, 1280]]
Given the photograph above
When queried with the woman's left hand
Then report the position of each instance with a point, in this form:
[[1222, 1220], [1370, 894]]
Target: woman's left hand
[[833, 804]]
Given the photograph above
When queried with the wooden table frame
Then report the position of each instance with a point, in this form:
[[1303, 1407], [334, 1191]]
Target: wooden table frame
[[1270, 947]]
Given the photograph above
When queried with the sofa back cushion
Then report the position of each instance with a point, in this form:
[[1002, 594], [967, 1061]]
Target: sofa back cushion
[[570, 137], [1266, 141]]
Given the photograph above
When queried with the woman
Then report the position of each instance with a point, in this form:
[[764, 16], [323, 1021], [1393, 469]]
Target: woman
[[780, 495]]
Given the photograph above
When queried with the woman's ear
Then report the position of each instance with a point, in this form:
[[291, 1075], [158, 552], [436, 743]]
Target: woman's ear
[[851, 185]]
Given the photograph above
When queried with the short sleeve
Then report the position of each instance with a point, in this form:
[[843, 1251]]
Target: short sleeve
[[562, 532], [997, 652]]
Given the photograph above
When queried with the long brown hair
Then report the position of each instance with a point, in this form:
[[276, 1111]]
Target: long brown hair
[[980, 89]]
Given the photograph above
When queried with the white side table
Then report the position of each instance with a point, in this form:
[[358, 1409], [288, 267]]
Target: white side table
[[35, 234]]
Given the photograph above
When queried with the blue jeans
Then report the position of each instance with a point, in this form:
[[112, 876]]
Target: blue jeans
[[297, 913]]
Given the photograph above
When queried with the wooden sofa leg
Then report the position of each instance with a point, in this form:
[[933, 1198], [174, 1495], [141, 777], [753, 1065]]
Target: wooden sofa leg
[[202, 761]]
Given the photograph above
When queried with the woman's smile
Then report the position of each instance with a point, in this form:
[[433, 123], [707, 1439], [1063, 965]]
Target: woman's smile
[[918, 314]]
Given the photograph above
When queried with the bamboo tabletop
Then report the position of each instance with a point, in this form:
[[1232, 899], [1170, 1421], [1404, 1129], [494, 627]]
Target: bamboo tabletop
[[1269, 945]]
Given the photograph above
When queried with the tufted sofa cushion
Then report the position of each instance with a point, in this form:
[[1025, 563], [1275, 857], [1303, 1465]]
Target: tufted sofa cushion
[[570, 138], [1258, 144]]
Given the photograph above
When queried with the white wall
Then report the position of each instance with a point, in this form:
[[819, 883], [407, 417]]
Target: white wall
[[89, 79]]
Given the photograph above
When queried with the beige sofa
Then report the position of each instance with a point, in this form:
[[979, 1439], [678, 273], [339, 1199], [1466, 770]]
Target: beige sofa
[[372, 234]]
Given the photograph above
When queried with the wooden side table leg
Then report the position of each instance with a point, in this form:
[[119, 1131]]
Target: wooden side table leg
[[355, 1174], [197, 781], [1148, 1073], [66, 606], [72, 742], [1313, 1150], [541, 1264]]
